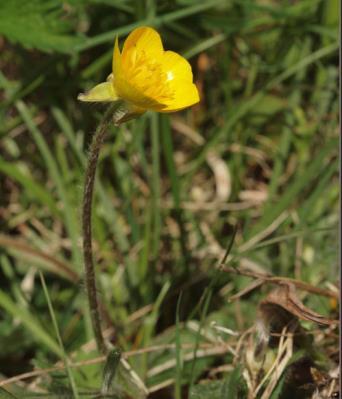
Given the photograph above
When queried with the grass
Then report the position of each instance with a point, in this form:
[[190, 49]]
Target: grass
[[254, 164]]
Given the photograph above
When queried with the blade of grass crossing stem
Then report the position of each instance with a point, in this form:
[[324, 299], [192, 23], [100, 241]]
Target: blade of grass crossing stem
[[155, 201], [70, 217], [248, 105], [59, 339], [30, 322], [289, 196], [109, 370], [179, 363], [175, 186]]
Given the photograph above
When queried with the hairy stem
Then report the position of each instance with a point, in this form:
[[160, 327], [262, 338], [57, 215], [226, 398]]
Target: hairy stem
[[90, 280]]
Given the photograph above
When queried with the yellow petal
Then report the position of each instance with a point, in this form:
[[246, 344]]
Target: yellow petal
[[135, 96], [124, 88], [102, 92], [185, 95], [179, 75], [148, 77], [144, 39], [116, 67], [176, 67]]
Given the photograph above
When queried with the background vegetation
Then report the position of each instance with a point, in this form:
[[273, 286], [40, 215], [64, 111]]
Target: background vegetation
[[257, 157]]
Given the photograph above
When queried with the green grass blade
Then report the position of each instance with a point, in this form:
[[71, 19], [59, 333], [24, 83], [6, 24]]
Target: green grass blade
[[157, 21], [58, 335], [204, 45], [35, 190], [68, 130], [30, 322], [179, 366], [168, 152], [306, 209], [155, 181], [289, 196], [70, 216], [248, 105]]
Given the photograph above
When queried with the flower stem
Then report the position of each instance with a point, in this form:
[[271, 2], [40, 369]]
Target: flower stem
[[90, 280]]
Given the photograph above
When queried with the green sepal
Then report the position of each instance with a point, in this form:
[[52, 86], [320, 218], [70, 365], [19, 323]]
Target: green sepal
[[103, 92]]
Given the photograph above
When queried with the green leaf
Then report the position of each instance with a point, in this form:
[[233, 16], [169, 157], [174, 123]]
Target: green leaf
[[234, 387], [110, 369], [37, 24], [212, 390], [268, 106]]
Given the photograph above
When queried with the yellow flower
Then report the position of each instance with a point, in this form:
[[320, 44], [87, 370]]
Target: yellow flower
[[145, 77]]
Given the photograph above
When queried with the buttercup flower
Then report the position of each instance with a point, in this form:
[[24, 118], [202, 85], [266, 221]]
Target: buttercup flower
[[145, 77]]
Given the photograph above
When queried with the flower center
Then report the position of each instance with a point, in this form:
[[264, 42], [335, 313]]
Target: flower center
[[148, 76]]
